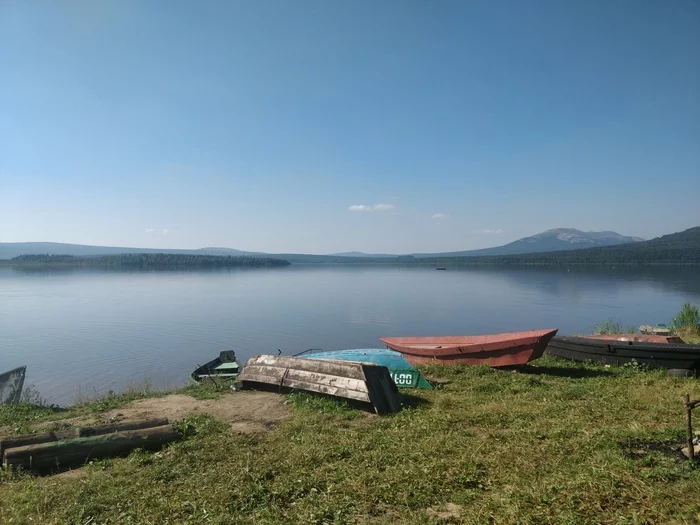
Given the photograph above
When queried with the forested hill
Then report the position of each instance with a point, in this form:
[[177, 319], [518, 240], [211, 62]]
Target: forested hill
[[147, 261], [676, 248]]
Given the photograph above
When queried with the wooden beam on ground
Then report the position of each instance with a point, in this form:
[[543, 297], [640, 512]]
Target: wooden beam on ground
[[55, 455]]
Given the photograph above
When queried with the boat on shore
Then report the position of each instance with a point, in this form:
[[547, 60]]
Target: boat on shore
[[11, 384], [224, 367], [495, 350], [365, 383], [404, 374], [659, 329], [648, 350], [637, 338]]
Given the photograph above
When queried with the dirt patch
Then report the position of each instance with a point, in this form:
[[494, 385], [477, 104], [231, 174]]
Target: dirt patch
[[245, 412], [450, 512], [74, 474]]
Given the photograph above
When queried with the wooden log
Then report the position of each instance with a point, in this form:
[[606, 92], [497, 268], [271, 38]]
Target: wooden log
[[32, 439], [120, 427], [689, 427], [72, 452]]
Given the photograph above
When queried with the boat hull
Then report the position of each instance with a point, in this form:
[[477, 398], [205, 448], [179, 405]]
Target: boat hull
[[404, 374], [653, 355], [637, 338], [365, 383], [225, 367], [11, 384], [495, 350]]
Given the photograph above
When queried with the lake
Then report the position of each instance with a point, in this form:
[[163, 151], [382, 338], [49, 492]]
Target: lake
[[85, 332]]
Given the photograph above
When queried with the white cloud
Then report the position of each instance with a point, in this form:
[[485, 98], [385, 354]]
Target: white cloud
[[165, 231], [149, 230], [439, 216], [371, 207], [488, 231]]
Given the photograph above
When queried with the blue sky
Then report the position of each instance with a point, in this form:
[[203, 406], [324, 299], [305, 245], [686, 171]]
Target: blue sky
[[317, 126]]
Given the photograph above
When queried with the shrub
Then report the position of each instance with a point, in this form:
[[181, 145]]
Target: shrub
[[687, 319]]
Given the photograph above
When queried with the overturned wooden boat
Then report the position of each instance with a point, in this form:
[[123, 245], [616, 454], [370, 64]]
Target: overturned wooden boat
[[11, 384], [496, 350], [224, 367], [644, 349], [659, 329], [361, 382], [403, 373]]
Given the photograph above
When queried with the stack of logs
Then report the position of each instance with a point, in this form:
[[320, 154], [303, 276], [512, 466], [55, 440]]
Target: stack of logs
[[57, 450]]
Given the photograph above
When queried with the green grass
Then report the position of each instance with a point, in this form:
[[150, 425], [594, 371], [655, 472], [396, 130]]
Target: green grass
[[613, 326], [558, 442]]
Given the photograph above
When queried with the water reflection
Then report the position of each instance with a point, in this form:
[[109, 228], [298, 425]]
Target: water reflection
[[95, 330]]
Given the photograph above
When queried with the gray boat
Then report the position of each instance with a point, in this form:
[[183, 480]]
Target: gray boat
[[11, 384]]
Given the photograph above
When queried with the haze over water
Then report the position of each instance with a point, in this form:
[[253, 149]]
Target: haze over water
[[87, 332]]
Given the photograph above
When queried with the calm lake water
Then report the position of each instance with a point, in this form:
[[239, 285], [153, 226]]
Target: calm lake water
[[85, 332]]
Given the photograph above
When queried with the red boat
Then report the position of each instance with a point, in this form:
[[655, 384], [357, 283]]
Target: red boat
[[497, 350]]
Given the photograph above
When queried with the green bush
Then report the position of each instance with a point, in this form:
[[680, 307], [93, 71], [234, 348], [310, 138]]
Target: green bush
[[687, 319]]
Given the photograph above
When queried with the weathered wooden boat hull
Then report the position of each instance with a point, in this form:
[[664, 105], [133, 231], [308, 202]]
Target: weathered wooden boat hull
[[11, 384], [659, 329], [361, 382], [655, 355], [637, 338], [224, 367], [404, 374], [495, 350]]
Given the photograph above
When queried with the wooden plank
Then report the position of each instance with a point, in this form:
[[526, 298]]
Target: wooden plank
[[354, 395], [328, 390], [334, 367], [276, 374], [59, 454]]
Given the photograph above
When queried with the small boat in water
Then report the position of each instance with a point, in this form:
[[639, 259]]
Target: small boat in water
[[659, 329], [403, 373], [441, 268], [649, 350], [11, 384], [224, 367], [496, 350], [366, 383]]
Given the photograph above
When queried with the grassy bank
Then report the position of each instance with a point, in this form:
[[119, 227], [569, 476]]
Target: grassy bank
[[557, 443]]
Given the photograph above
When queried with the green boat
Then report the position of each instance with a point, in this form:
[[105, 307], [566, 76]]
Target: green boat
[[224, 367]]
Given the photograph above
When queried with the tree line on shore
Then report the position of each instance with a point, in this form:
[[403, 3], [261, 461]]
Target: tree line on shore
[[150, 261]]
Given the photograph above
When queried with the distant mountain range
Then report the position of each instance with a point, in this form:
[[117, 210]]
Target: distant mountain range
[[362, 254], [551, 240], [8, 250], [676, 248]]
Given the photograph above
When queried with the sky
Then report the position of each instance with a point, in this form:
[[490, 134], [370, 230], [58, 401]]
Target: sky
[[322, 126]]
